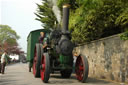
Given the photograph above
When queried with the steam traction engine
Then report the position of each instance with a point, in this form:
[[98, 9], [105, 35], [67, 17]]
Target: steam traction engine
[[57, 56]]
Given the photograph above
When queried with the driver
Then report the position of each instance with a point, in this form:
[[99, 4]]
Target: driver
[[42, 39]]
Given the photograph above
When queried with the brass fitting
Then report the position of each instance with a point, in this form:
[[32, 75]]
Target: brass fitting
[[66, 6]]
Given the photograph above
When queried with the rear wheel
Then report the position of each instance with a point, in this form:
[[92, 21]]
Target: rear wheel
[[82, 68], [66, 73], [36, 60], [45, 68]]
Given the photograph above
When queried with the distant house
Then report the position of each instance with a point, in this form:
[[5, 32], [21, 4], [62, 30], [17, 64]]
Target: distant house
[[16, 57]]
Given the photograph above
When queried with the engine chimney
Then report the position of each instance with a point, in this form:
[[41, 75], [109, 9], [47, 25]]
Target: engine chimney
[[65, 18]]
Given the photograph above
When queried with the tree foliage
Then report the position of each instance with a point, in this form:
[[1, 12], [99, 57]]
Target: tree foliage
[[46, 15], [60, 3], [89, 19], [8, 35], [122, 20], [8, 40], [94, 19]]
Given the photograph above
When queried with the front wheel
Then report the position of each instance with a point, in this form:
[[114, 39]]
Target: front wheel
[[45, 67], [82, 68]]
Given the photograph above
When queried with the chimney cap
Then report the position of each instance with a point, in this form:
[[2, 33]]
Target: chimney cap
[[66, 6]]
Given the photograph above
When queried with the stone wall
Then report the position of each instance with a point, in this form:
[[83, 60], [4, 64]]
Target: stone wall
[[107, 57]]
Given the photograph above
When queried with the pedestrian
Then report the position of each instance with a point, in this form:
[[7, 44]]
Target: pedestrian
[[0, 57], [4, 60], [0, 63], [75, 55]]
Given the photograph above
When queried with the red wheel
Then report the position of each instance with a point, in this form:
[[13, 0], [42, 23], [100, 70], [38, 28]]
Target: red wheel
[[36, 61], [82, 68], [45, 68]]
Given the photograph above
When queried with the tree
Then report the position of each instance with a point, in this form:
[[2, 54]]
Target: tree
[[81, 16], [89, 19], [8, 39], [122, 21], [8, 35], [46, 15], [94, 19]]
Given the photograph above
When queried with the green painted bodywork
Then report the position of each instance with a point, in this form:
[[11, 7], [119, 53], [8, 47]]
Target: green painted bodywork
[[32, 39], [66, 61]]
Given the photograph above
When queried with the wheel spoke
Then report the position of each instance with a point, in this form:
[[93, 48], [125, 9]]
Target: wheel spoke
[[43, 67], [81, 68], [80, 78]]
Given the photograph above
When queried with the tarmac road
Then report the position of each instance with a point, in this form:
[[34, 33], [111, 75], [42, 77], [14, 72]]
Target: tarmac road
[[17, 74]]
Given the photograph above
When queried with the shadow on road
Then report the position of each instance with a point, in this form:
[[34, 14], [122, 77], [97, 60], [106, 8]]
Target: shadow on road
[[97, 81], [11, 64], [73, 79], [7, 82]]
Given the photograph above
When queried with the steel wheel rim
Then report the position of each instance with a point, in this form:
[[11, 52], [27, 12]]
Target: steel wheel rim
[[34, 62], [79, 69], [42, 67]]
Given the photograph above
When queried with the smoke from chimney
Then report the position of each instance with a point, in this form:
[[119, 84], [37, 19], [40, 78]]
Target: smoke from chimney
[[56, 10]]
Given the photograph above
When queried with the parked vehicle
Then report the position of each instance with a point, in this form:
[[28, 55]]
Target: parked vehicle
[[57, 56]]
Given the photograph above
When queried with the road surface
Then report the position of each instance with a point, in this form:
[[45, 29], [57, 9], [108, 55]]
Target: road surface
[[17, 74]]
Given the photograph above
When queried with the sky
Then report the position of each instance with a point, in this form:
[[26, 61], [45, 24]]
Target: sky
[[19, 15]]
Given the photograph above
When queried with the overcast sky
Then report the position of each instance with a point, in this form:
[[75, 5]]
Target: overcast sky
[[19, 15]]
